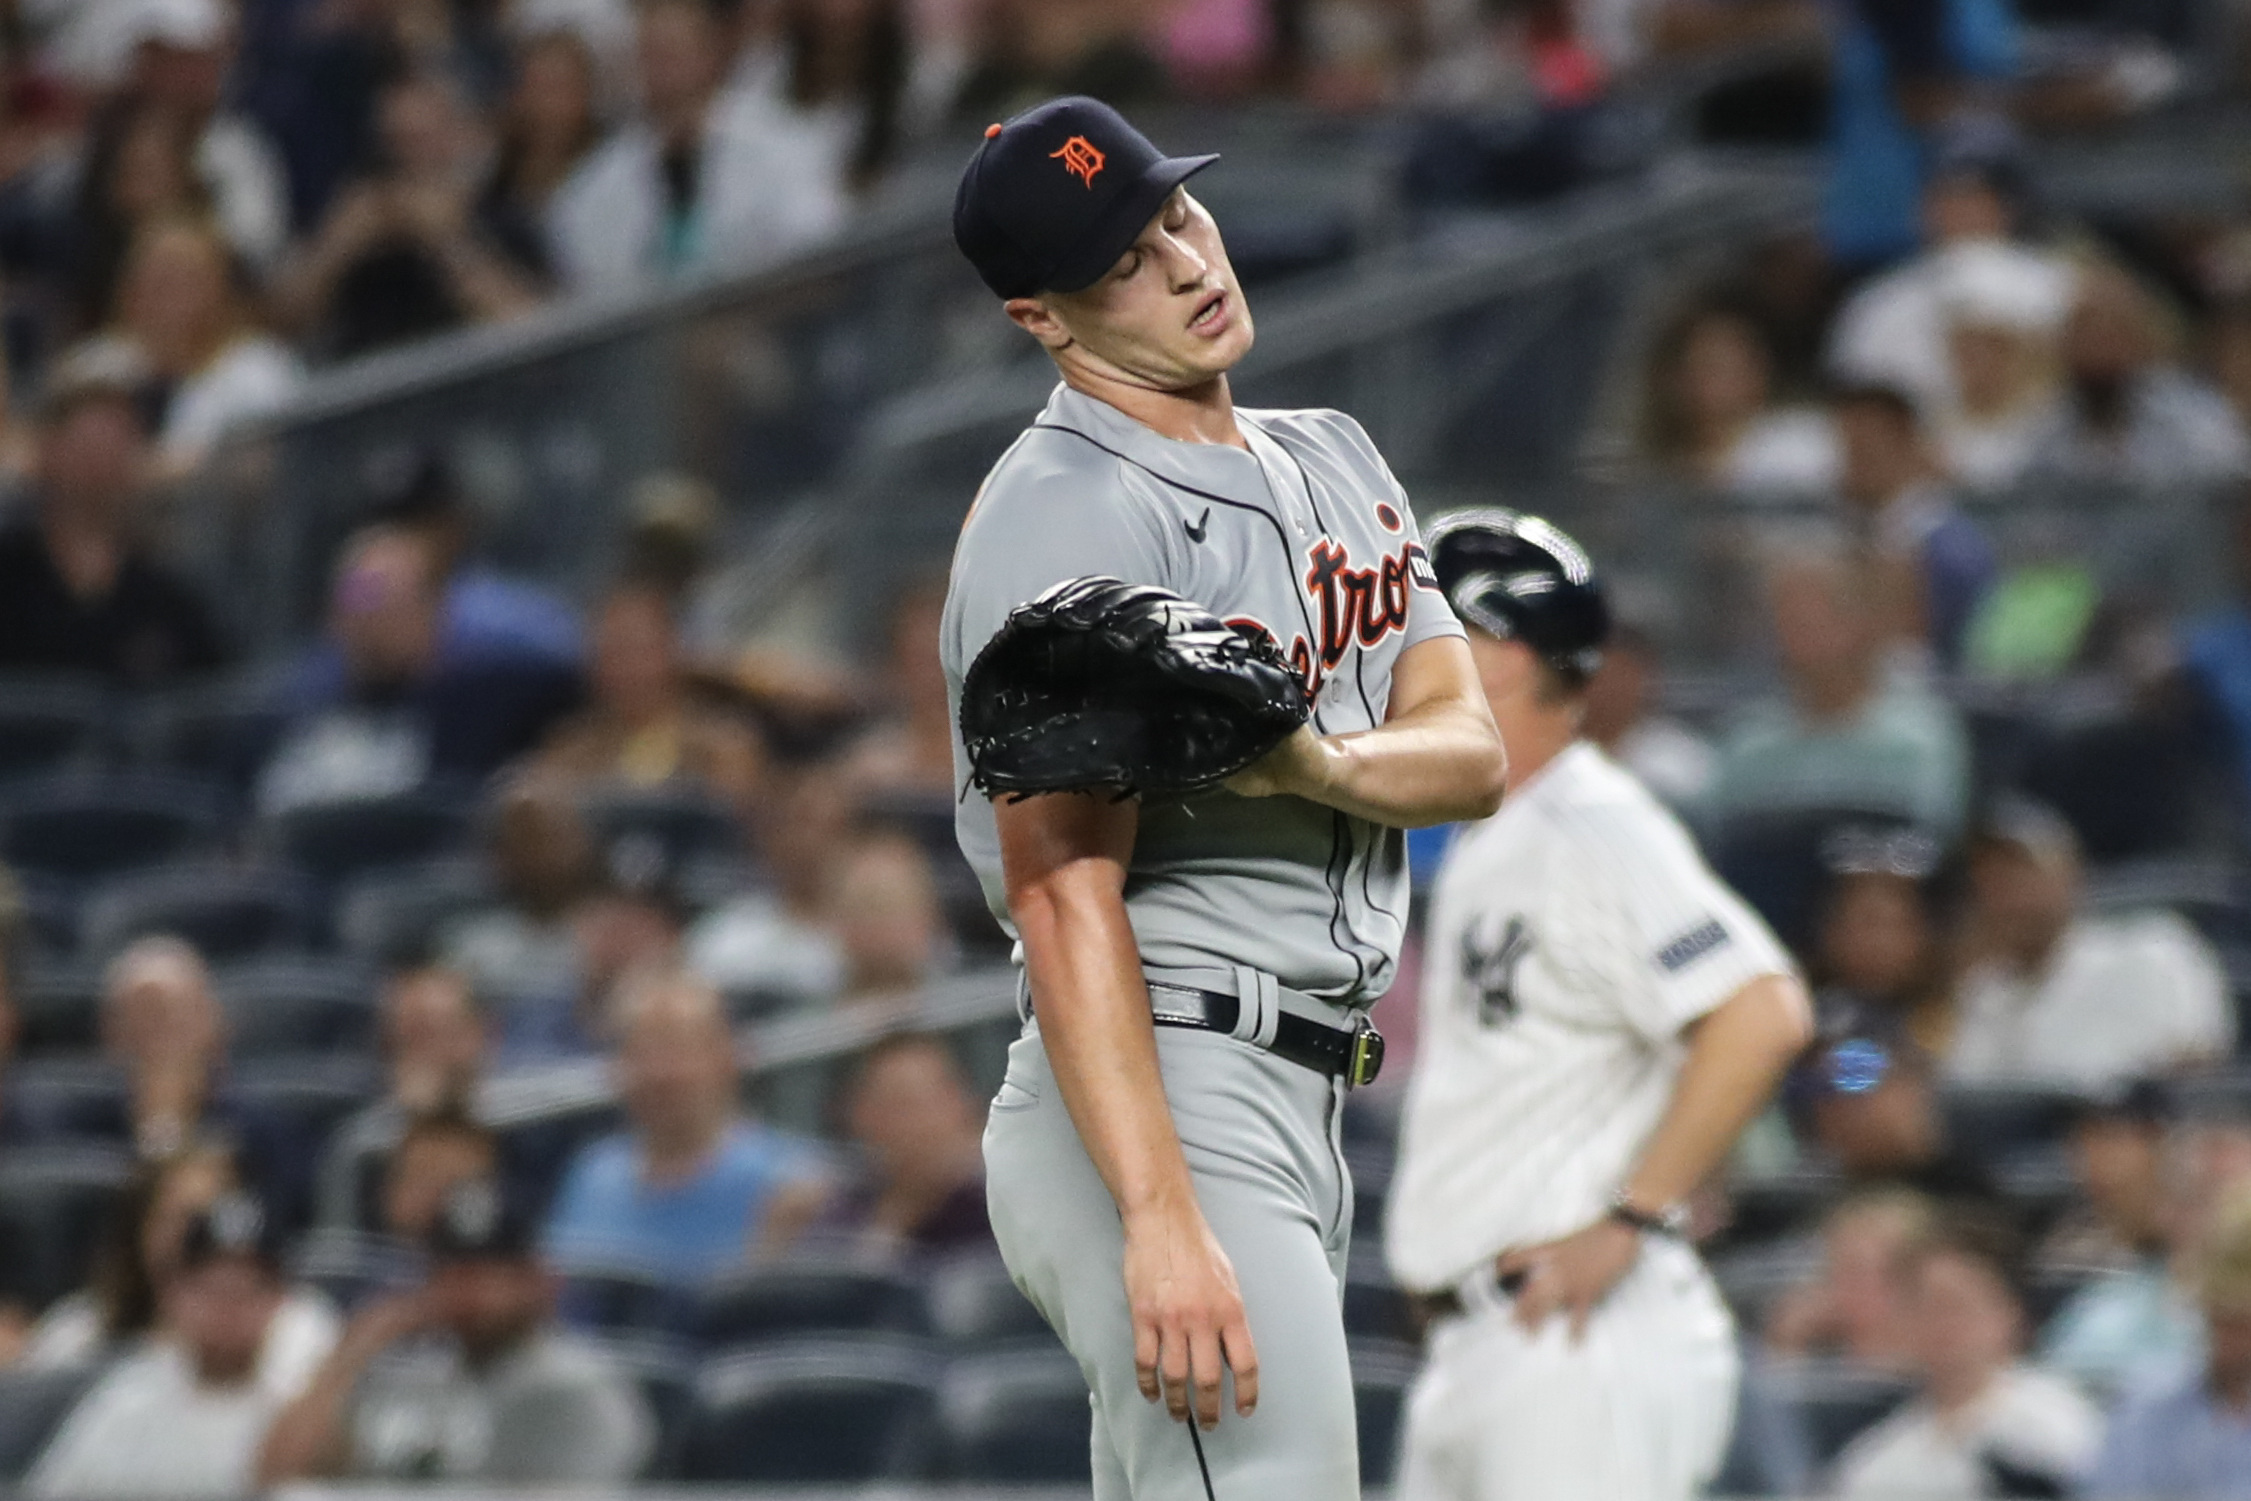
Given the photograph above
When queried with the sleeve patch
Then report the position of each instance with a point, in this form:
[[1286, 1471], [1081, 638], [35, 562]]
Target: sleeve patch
[[1418, 566], [1693, 945]]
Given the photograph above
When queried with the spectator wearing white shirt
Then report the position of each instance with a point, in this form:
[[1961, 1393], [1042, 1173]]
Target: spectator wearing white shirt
[[781, 945], [121, 1310], [2132, 415], [2003, 312], [178, 304], [1712, 414], [2059, 996], [182, 1418], [1892, 331], [465, 1378], [1983, 1423], [175, 55], [705, 177], [842, 74]]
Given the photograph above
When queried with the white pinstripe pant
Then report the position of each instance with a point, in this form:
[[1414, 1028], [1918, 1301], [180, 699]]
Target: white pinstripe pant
[[1639, 1409]]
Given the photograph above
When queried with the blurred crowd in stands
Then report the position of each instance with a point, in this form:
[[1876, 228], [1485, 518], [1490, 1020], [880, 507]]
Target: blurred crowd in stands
[[293, 967], [229, 191]]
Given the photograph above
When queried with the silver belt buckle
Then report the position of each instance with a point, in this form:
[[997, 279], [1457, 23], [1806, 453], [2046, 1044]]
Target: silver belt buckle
[[1366, 1059]]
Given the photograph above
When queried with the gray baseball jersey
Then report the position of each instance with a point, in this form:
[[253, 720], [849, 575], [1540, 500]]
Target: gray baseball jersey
[[1306, 536]]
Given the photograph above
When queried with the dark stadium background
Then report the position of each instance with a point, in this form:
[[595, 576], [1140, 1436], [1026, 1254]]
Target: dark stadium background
[[284, 282]]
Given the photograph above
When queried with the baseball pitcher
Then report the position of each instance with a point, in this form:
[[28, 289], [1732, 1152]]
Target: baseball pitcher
[[1163, 1161]]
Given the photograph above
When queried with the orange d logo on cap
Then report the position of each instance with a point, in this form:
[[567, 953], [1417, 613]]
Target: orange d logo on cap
[[1081, 158]]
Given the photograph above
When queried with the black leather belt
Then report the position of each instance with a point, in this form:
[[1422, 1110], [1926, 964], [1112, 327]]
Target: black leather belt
[[1446, 1303], [1354, 1054]]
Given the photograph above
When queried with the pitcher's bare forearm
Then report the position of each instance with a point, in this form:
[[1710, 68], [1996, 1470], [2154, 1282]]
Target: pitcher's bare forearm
[[1737, 1054], [1064, 857], [1436, 758]]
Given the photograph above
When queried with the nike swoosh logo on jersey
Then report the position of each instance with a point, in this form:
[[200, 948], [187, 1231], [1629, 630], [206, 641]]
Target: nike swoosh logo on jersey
[[1197, 528]]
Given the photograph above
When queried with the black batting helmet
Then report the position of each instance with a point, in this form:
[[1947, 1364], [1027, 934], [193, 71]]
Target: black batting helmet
[[1520, 578]]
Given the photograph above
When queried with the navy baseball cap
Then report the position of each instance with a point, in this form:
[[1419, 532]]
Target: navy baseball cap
[[235, 1224], [481, 1221], [1054, 196]]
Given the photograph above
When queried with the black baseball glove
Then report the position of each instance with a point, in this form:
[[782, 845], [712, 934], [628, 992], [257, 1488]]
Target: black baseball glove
[[1126, 687]]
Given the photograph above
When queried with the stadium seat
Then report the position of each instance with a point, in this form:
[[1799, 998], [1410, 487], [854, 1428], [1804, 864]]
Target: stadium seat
[[836, 1410], [1831, 1403], [1995, 1122], [50, 723], [2047, 1289], [1768, 1451], [55, 1203], [2001, 734], [929, 822], [58, 1008], [33, 1404], [665, 1375], [397, 916], [2039, 1183], [2215, 1096], [1374, 1307], [661, 831], [1371, 1167], [83, 828], [296, 1004], [804, 1296], [973, 1301], [51, 911], [1017, 1417], [538, 1142], [2211, 893], [351, 1266], [2132, 787], [1753, 1277], [1382, 1370], [1775, 861], [1371, 1121], [334, 842], [1773, 1204], [70, 1097], [227, 912], [309, 1095], [225, 733], [623, 1301]]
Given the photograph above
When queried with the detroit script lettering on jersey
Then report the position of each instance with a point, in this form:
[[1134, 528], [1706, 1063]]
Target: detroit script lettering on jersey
[[1351, 606]]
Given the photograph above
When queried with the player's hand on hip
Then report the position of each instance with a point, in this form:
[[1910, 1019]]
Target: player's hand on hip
[[1298, 765], [1572, 1275], [1189, 1327]]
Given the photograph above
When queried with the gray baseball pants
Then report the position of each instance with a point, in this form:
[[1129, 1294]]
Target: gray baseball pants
[[1261, 1136]]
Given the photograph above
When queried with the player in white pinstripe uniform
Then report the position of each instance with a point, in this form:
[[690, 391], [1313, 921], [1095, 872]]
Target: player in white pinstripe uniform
[[1600, 1019]]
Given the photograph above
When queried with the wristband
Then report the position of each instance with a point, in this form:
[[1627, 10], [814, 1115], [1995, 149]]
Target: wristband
[[1672, 1221]]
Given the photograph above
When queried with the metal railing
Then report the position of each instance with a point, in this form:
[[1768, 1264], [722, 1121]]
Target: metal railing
[[844, 405], [757, 383], [791, 1062]]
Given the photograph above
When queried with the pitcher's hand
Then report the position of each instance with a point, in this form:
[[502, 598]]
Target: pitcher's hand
[[1188, 1319], [1298, 765]]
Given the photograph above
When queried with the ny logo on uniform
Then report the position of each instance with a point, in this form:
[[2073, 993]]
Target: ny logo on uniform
[[1081, 158], [1491, 973]]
